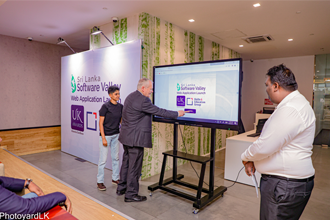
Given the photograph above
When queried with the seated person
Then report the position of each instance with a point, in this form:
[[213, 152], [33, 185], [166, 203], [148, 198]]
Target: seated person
[[32, 203]]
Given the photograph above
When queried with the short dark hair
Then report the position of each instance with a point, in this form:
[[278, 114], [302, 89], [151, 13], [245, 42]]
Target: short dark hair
[[113, 89], [283, 76]]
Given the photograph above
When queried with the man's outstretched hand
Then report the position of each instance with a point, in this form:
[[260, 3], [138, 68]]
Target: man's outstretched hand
[[181, 113]]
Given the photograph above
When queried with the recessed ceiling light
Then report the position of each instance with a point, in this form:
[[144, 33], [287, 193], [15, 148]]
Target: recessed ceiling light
[[191, 20], [256, 5], [318, 71], [290, 39], [241, 45]]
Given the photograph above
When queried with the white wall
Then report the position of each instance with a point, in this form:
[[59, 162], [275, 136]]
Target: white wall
[[254, 75], [30, 83]]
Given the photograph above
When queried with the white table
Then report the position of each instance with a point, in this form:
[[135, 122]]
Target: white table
[[235, 146]]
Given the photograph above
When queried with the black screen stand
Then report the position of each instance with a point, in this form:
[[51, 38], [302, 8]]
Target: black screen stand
[[211, 193]]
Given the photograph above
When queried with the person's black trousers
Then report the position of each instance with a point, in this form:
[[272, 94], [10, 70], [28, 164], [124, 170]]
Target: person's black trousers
[[283, 199], [131, 170]]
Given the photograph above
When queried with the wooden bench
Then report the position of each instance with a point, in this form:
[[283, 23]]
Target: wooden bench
[[82, 206], [2, 169]]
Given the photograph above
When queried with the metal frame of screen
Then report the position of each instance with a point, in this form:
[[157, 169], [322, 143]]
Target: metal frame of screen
[[237, 127]]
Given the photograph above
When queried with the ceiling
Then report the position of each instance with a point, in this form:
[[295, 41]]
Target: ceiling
[[225, 22]]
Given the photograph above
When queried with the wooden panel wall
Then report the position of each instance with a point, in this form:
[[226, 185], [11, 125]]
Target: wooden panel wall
[[29, 141]]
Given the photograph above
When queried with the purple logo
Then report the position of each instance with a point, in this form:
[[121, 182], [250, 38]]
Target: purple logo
[[180, 101], [77, 117]]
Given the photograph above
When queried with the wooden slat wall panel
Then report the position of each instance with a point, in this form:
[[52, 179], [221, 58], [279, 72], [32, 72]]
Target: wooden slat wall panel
[[83, 207], [29, 141]]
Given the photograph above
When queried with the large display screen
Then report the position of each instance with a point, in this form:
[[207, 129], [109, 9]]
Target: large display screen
[[208, 91]]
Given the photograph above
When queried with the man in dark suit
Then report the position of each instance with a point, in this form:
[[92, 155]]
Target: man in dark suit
[[30, 204], [135, 134]]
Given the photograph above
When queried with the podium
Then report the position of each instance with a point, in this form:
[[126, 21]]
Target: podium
[[211, 192]]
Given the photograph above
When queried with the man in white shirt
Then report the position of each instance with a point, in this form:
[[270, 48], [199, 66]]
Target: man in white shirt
[[282, 153]]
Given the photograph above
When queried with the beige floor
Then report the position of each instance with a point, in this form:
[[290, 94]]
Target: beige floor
[[239, 202]]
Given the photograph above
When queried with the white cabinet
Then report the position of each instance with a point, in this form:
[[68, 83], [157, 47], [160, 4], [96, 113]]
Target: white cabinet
[[235, 146]]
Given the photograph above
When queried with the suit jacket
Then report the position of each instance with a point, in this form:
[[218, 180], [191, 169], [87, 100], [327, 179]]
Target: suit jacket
[[136, 120], [11, 203]]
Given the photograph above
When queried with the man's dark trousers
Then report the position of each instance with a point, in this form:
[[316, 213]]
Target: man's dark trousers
[[283, 199], [131, 170]]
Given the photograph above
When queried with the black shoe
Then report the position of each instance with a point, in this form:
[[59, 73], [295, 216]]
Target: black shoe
[[136, 198], [121, 192]]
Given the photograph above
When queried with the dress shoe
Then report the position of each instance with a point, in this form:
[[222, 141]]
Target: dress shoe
[[121, 192], [101, 187], [136, 198]]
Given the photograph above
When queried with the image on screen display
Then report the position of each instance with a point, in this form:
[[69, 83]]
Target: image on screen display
[[209, 92]]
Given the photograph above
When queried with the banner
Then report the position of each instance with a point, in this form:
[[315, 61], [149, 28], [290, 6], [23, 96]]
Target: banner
[[85, 79]]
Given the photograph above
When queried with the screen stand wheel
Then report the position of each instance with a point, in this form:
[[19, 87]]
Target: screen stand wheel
[[211, 193]]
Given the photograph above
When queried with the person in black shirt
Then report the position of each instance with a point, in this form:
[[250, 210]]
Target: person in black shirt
[[110, 118]]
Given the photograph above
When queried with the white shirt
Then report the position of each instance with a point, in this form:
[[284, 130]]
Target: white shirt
[[285, 145]]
